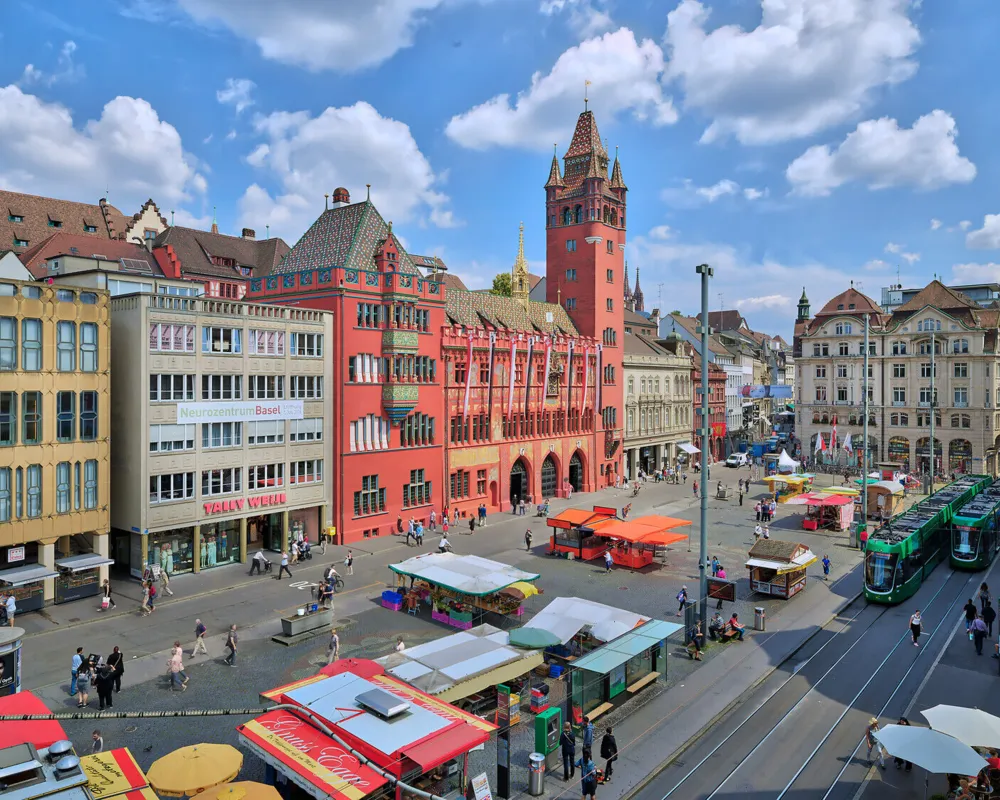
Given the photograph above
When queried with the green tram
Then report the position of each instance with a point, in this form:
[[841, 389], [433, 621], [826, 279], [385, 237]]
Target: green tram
[[905, 550], [974, 536]]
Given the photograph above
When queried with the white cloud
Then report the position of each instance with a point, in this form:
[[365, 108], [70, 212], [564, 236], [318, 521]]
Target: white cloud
[[66, 71], [897, 249], [975, 273], [910, 258], [344, 36], [129, 149], [231, 135], [807, 66], [208, 138], [690, 195], [964, 225], [754, 194], [892, 247], [660, 232], [721, 189], [882, 155], [350, 146], [587, 18], [986, 237], [236, 93], [624, 77], [876, 264], [935, 224], [764, 301]]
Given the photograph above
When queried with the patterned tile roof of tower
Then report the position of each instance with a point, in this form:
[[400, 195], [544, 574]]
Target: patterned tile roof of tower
[[474, 309], [40, 217], [586, 137], [555, 177], [586, 156], [346, 237]]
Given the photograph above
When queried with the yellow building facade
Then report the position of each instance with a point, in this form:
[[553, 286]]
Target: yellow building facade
[[55, 379]]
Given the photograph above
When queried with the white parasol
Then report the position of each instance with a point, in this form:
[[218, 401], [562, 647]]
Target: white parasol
[[969, 725], [934, 751]]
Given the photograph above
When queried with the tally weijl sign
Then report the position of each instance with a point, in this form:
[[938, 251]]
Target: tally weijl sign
[[252, 411]]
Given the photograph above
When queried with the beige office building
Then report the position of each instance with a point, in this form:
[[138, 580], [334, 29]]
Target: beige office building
[[221, 436], [54, 429]]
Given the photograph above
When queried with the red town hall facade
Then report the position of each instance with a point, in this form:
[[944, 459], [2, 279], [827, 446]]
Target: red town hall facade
[[445, 398]]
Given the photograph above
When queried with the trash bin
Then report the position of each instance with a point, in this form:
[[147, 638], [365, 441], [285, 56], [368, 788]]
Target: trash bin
[[536, 774], [759, 619]]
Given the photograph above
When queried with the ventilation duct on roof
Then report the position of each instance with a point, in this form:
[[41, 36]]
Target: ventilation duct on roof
[[382, 703]]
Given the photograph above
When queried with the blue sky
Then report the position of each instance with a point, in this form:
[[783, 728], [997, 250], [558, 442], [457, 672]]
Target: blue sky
[[789, 143]]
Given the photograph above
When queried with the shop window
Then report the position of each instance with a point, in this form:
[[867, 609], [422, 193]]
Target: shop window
[[221, 340], [307, 430], [171, 388], [266, 387], [265, 432], [166, 488], [265, 476], [221, 481], [31, 418], [305, 387], [371, 498], [418, 491], [267, 343], [65, 416], [66, 346], [308, 345], [63, 487], [307, 471]]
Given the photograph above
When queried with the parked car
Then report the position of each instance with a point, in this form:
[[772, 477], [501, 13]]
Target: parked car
[[737, 460]]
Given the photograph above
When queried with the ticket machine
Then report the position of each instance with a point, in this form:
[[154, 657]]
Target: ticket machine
[[548, 726]]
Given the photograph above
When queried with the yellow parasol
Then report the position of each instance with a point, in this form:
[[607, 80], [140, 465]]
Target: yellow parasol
[[190, 770], [241, 790], [520, 590]]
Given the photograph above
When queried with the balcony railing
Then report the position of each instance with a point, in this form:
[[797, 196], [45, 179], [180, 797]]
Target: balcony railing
[[899, 403], [961, 404]]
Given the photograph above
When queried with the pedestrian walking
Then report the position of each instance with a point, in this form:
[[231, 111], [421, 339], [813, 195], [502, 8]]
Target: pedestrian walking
[[588, 775], [588, 734], [527, 540], [826, 567], [915, 627], [514, 506], [418, 533], [608, 562], [873, 744], [758, 531], [199, 638], [694, 488], [472, 524], [10, 606], [522, 507], [444, 525], [107, 601], [117, 663], [609, 751], [721, 575], [682, 600], [165, 582], [178, 678], [978, 634], [970, 614], [75, 664], [741, 494], [767, 532], [433, 521], [84, 675], [715, 566], [349, 561], [144, 605], [284, 566], [333, 648], [757, 510], [105, 682], [567, 743], [232, 640], [984, 596], [258, 562], [293, 553], [899, 761], [989, 616]]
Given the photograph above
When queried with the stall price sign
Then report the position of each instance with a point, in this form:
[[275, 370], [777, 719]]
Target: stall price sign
[[503, 706], [481, 787], [722, 589], [15, 554]]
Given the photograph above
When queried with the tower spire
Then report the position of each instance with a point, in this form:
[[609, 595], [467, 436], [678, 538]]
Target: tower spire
[[555, 180], [520, 284], [638, 302], [617, 182], [628, 291], [215, 221]]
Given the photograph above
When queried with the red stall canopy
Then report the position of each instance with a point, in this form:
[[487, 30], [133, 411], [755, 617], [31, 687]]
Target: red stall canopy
[[41, 733]]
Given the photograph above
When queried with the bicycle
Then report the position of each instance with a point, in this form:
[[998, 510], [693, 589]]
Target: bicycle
[[338, 584]]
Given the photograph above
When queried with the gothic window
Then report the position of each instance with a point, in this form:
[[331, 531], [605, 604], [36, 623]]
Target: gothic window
[[614, 217], [578, 214], [567, 218]]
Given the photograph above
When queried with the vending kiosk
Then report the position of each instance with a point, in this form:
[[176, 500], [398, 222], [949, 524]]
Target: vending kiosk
[[548, 726]]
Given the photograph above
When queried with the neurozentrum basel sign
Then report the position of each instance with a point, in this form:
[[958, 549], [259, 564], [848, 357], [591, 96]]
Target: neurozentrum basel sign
[[240, 412]]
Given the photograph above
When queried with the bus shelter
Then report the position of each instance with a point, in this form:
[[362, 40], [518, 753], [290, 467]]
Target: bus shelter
[[828, 511], [778, 568], [462, 588], [609, 675]]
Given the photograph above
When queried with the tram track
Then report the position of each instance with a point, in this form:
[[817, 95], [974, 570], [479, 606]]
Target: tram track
[[798, 702]]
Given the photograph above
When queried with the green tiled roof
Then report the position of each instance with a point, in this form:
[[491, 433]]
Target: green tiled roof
[[476, 308], [346, 237]]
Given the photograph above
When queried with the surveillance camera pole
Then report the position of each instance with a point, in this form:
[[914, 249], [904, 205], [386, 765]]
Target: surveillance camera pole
[[706, 272]]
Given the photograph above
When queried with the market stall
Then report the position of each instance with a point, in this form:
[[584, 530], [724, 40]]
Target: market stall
[[374, 718], [574, 532], [885, 499], [612, 673], [461, 589], [41, 733], [785, 487], [465, 668], [828, 511], [778, 568]]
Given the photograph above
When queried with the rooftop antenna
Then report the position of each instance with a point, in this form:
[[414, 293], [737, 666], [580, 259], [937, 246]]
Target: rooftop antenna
[[659, 295], [171, 218], [369, 186], [326, 202], [586, 85], [722, 305], [267, 231]]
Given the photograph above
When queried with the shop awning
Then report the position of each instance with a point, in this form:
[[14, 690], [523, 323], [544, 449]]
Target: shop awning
[[782, 567], [284, 741], [40, 733], [828, 500], [440, 748], [29, 573], [567, 616], [689, 448], [468, 575], [83, 562], [502, 674], [614, 654]]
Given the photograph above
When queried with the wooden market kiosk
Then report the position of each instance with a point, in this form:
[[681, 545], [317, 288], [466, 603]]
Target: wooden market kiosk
[[825, 510], [462, 588], [785, 487], [778, 568], [632, 543]]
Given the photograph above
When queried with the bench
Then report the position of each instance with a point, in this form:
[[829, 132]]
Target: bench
[[601, 709], [635, 687], [728, 633]]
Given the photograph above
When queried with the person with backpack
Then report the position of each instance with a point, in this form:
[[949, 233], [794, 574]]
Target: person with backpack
[[588, 775], [682, 599], [567, 743], [609, 751]]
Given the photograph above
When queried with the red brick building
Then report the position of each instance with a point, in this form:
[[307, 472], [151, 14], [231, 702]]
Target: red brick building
[[448, 398], [716, 410]]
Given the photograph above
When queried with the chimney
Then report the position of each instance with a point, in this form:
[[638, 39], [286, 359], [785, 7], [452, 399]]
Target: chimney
[[654, 317], [249, 234]]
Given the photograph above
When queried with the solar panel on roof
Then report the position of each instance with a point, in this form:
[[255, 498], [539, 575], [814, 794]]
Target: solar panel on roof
[[136, 265]]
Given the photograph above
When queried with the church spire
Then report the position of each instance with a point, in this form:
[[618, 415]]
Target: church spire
[[628, 291], [555, 180], [637, 298], [520, 283]]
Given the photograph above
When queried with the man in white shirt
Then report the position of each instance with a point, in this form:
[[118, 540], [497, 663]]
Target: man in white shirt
[[284, 566], [259, 561], [11, 608], [444, 545], [400, 647], [74, 668]]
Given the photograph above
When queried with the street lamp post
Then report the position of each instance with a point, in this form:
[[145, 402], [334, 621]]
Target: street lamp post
[[706, 272]]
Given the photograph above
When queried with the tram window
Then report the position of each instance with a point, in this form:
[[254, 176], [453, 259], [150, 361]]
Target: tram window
[[879, 571]]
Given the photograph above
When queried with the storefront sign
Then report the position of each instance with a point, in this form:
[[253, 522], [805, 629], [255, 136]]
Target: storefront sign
[[15, 554], [240, 412], [257, 501], [481, 787]]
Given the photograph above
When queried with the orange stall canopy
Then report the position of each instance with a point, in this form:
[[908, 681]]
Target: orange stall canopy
[[577, 518]]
